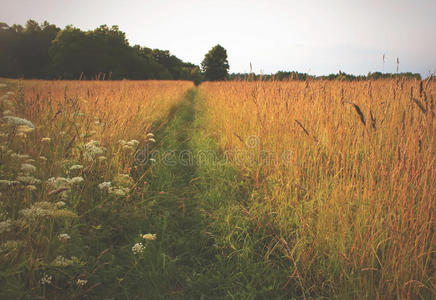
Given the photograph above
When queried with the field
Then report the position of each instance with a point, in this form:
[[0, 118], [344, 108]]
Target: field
[[238, 190]]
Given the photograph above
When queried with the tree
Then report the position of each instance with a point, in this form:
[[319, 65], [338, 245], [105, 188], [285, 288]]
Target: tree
[[215, 65]]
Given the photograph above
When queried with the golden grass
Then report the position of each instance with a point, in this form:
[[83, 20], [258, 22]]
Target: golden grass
[[77, 135], [353, 201]]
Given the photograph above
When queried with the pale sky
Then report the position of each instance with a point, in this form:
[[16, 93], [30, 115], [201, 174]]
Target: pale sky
[[314, 36]]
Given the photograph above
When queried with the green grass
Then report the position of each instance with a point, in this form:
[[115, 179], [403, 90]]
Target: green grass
[[208, 244], [207, 247]]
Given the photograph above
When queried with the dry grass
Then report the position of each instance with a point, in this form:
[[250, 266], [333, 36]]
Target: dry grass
[[77, 135], [353, 205]]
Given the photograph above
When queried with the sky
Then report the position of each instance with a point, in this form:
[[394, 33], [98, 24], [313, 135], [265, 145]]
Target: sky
[[318, 37]]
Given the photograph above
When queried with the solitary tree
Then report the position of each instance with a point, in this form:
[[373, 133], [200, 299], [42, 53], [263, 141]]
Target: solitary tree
[[215, 65]]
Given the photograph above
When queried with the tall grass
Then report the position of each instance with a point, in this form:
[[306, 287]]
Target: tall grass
[[73, 200], [342, 176]]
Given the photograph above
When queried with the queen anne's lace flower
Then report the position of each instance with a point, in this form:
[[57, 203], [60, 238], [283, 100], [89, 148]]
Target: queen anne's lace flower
[[76, 167], [61, 261], [105, 185], [15, 121], [76, 180], [5, 226], [28, 168], [28, 180], [64, 237], [92, 150], [119, 191], [138, 248], [46, 279], [81, 282]]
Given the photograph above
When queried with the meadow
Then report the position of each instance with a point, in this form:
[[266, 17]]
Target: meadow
[[317, 189]]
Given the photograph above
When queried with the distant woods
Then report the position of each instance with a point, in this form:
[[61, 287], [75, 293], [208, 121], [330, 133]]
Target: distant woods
[[46, 51]]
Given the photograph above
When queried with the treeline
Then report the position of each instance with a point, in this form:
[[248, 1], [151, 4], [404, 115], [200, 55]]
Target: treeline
[[46, 51], [284, 75]]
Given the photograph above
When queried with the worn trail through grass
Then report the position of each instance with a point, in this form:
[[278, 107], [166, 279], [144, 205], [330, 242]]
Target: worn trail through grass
[[205, 247]]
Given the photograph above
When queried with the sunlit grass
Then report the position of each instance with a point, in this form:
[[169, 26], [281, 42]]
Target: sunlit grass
[[347, 191], [69, 186]]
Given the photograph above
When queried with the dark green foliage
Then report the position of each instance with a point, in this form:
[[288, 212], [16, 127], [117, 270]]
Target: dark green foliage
[[24, 50], [45, 51], [215, 65], [287, 75]]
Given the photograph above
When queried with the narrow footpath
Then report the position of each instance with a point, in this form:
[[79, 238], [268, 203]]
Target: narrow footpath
[[205, 248]]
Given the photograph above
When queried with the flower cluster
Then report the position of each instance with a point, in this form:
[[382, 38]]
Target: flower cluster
[[15, 121], [92, 150], [11, 245], [64, 237], [5, 226], [62, 262], [62, 185], [46, 279], [129, 145], [138, 248], [45, 209], [150, 138], [81, 282], [121, 186], [27, 169]]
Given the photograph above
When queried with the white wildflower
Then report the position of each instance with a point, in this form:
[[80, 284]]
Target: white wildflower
[[59, 182], [28, 180], [138, 248], [101, 158], [150, 135], [133, 143], [19, 156], [76, 167], [105, 185], [152, 140], [61, 261], [120, 191], [5, 226], [92, 149], [81, 282], [76, 180], [31, 187], [149, 236], [60, 204], [43, 158], [9, 183], [28, 168], [46, 140], [46, 279], [152, 160], [127, 148], [44, 209], [15, 121], [11, 245], [64, 237]]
